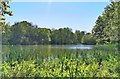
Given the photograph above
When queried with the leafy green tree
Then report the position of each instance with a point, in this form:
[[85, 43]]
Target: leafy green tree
[[107, 25], [20, 33], [79, 36], [6, 35], [4, 9], [88, 39], [62, 36], [24, 33], [41, 36]]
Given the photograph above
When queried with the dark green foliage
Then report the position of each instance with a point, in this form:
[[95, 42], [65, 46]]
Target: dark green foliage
[[4, 9], [20, 33], [62, 36], [79, 35], [107, 25], [24, 33], [88, 39]]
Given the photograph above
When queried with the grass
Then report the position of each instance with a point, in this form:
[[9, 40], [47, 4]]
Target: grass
[[101, 61]]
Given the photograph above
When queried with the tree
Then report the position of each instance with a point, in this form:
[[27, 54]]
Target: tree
[[98, 29], [62, 36], [107, 25], [79, 36], [88, 39], [25, 33], [41, 36], [6, 35], [20, 33], [4, 9]]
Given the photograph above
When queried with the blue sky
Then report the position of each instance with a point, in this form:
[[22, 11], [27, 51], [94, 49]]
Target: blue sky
[[60, 0], [75, 15]]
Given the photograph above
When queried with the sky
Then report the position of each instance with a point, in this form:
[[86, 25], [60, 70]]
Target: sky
[[60, 0], [75, 15]]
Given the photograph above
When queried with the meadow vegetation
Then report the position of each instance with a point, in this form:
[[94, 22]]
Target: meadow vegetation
[[100, 61]]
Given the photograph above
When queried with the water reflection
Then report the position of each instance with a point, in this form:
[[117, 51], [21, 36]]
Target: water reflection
[[74, 47]]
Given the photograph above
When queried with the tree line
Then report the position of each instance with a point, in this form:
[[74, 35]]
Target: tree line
[[25, 33]]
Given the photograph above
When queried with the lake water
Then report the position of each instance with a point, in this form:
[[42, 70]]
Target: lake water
[[43, 49], [71, 47], [74, 47], [15, 52]]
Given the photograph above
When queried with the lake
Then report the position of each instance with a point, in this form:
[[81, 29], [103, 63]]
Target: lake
[[48, 47], [44, 48], [73, 47], [24, 51]]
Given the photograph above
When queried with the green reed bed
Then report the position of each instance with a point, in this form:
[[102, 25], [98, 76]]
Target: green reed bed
[[60, 63]]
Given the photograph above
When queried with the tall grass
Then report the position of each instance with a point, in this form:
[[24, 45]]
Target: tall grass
[[102, 61]]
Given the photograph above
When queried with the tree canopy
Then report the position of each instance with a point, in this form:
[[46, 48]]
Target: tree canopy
[[25, 33], [4, 9], [106, 29]]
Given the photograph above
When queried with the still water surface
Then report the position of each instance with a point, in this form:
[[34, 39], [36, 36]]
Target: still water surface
[[33, 51], [46, 47], [72, 47]]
